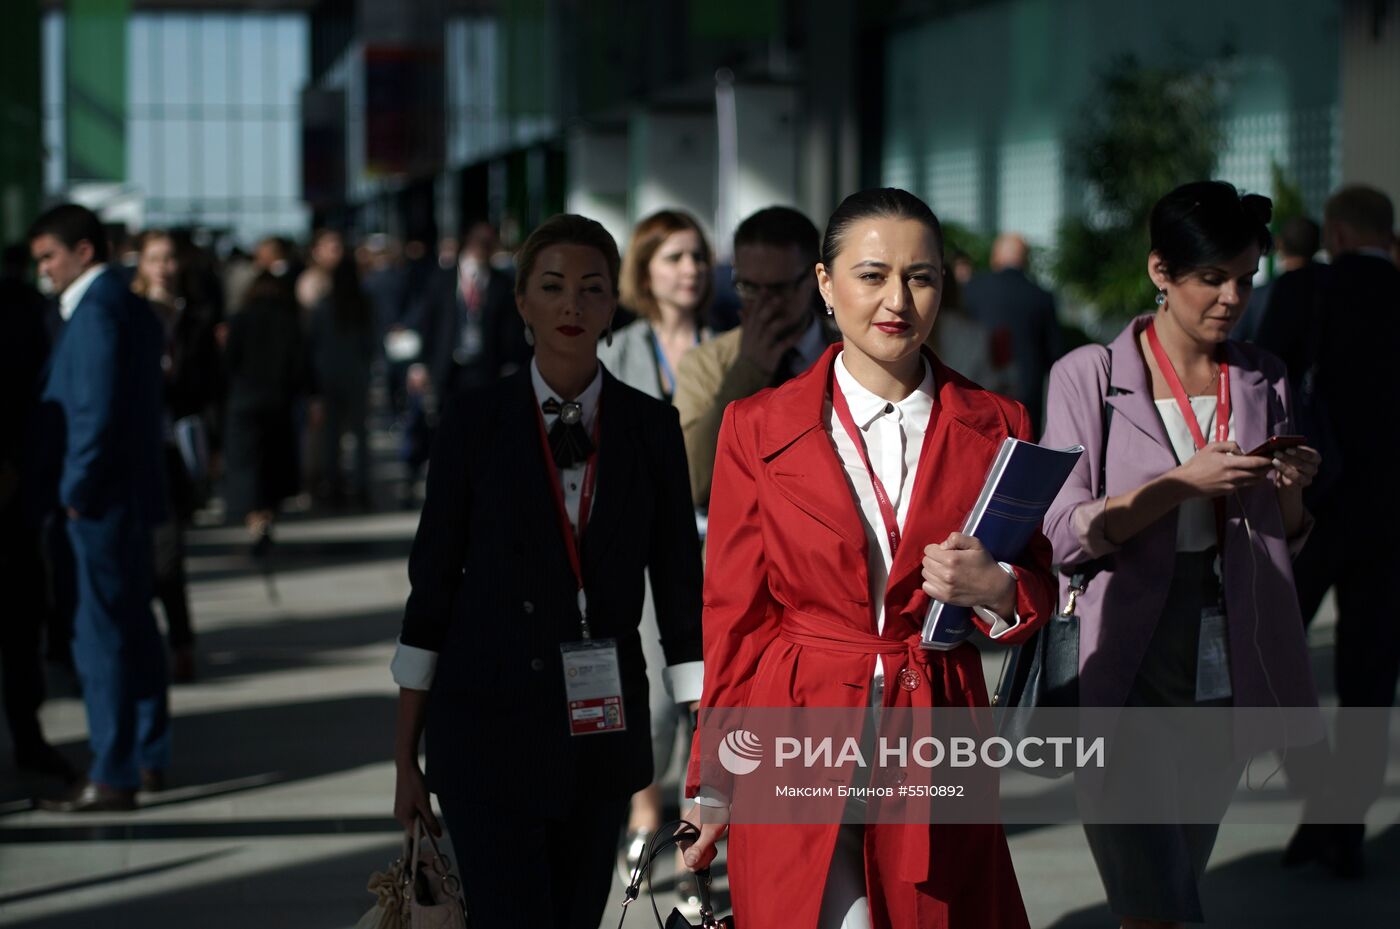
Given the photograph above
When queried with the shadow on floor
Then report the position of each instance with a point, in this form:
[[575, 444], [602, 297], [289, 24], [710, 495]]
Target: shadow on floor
[[1254, 892], [233, 751], [328, 893]]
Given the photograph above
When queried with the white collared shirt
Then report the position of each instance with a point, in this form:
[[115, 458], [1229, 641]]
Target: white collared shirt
[[570, 479], [74, 293], [414, 668], [894, 437]]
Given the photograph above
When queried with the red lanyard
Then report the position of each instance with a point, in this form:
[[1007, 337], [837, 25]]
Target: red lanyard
[[882, 499], [1222, 414], [585, 504], [1222, 395]]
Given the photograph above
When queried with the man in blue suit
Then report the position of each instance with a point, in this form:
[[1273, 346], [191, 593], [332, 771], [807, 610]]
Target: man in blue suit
[[102, 410]]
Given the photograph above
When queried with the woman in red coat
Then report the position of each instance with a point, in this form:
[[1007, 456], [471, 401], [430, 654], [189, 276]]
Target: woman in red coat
[[878, 446]]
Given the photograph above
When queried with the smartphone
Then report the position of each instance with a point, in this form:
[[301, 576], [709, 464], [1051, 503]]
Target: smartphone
[[1278, 443]]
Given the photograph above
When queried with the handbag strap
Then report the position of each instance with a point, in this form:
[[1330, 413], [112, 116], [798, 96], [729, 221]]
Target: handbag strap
[[1080, 579], [413, 849]]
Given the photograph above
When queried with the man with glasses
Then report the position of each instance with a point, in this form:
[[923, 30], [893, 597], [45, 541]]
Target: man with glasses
[[781, 333]]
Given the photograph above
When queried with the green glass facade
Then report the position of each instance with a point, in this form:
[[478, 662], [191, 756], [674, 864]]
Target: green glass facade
[[980, 105], [94, 89]]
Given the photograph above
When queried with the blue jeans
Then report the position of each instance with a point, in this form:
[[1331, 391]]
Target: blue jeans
[[117, 648]]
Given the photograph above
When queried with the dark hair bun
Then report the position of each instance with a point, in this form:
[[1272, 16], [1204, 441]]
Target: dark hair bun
[[1258, 206], [1208, 223]]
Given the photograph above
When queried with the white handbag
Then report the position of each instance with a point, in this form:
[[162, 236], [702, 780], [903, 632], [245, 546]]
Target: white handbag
[[418, 891]]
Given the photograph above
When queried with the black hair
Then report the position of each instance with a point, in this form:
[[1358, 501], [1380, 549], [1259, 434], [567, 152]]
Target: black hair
[[1300, 237], [71, 224], [1208, 223], [881, 202], [780, 226]]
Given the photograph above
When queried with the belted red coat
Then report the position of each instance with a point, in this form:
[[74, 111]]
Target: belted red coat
[[788, 622]]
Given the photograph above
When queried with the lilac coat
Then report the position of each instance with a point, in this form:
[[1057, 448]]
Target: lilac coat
[[1119, 610]]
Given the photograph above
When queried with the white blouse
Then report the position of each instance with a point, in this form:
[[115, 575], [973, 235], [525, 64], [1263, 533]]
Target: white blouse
[[894, 437], [1195, 519]]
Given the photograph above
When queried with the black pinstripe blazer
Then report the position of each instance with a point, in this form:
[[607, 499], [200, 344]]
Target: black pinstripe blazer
[[494, 596]]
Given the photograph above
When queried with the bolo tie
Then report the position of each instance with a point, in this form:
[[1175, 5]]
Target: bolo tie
[[569, 442]]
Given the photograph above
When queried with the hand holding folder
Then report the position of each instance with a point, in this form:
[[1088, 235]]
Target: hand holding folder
[[1022, 482]]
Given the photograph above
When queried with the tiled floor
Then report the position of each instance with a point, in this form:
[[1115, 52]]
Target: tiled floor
[[278, 808]]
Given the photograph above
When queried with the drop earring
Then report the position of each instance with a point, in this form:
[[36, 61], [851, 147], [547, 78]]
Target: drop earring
[[607, 336], [829, 310], [1161, 298], [529, 335]]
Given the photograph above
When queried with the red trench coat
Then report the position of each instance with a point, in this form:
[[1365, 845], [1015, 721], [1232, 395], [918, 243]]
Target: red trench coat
[[787, 546]]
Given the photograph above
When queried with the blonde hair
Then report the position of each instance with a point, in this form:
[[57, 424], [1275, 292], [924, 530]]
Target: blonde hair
[[565, 229]]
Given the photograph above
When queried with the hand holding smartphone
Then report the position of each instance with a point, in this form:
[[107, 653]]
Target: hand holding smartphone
[[1278, 443]]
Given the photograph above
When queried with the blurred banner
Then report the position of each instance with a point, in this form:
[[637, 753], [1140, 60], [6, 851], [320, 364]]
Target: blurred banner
[[322, 147], [95, 89], [403, 110]]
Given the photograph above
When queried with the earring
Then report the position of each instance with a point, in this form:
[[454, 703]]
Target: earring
[[529, 335], [607, 336], [829, 310], [1161, 298]]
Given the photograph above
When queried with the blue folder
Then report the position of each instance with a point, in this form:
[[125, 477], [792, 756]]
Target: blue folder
[[1021, 484]]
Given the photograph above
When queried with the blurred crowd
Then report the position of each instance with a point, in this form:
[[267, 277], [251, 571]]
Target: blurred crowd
[[274, 363]]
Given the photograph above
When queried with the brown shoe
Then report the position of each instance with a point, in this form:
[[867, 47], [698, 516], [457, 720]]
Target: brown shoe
[[92, 797]]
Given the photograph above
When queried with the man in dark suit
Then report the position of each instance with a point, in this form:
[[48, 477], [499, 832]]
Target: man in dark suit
[[1296, 246], [102, 413], [1326, 325], [1007, 301], [471, 333]]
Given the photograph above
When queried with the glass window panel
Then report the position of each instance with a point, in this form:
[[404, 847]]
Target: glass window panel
[[285, 182], [140, 167], [253, 169], [175, 38], [216, 135], [213, 90], [176, 177], [293, 67], [248, 61], [138, 64], [54, 155]]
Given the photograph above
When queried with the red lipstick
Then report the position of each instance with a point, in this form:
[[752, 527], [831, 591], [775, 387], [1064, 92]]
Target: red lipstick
[[569, 331], [893, 327]]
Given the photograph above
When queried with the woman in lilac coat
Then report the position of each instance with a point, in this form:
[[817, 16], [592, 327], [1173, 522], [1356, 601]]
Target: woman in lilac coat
[[1165, 619]]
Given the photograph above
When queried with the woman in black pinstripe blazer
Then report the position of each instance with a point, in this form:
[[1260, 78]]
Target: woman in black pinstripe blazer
[[495, 595]]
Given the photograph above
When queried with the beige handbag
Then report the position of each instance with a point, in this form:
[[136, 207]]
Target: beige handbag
[[418, 891]]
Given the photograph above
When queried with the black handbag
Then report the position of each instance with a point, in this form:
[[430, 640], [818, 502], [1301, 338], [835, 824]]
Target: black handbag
[[1044, 671], [673, 833]]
